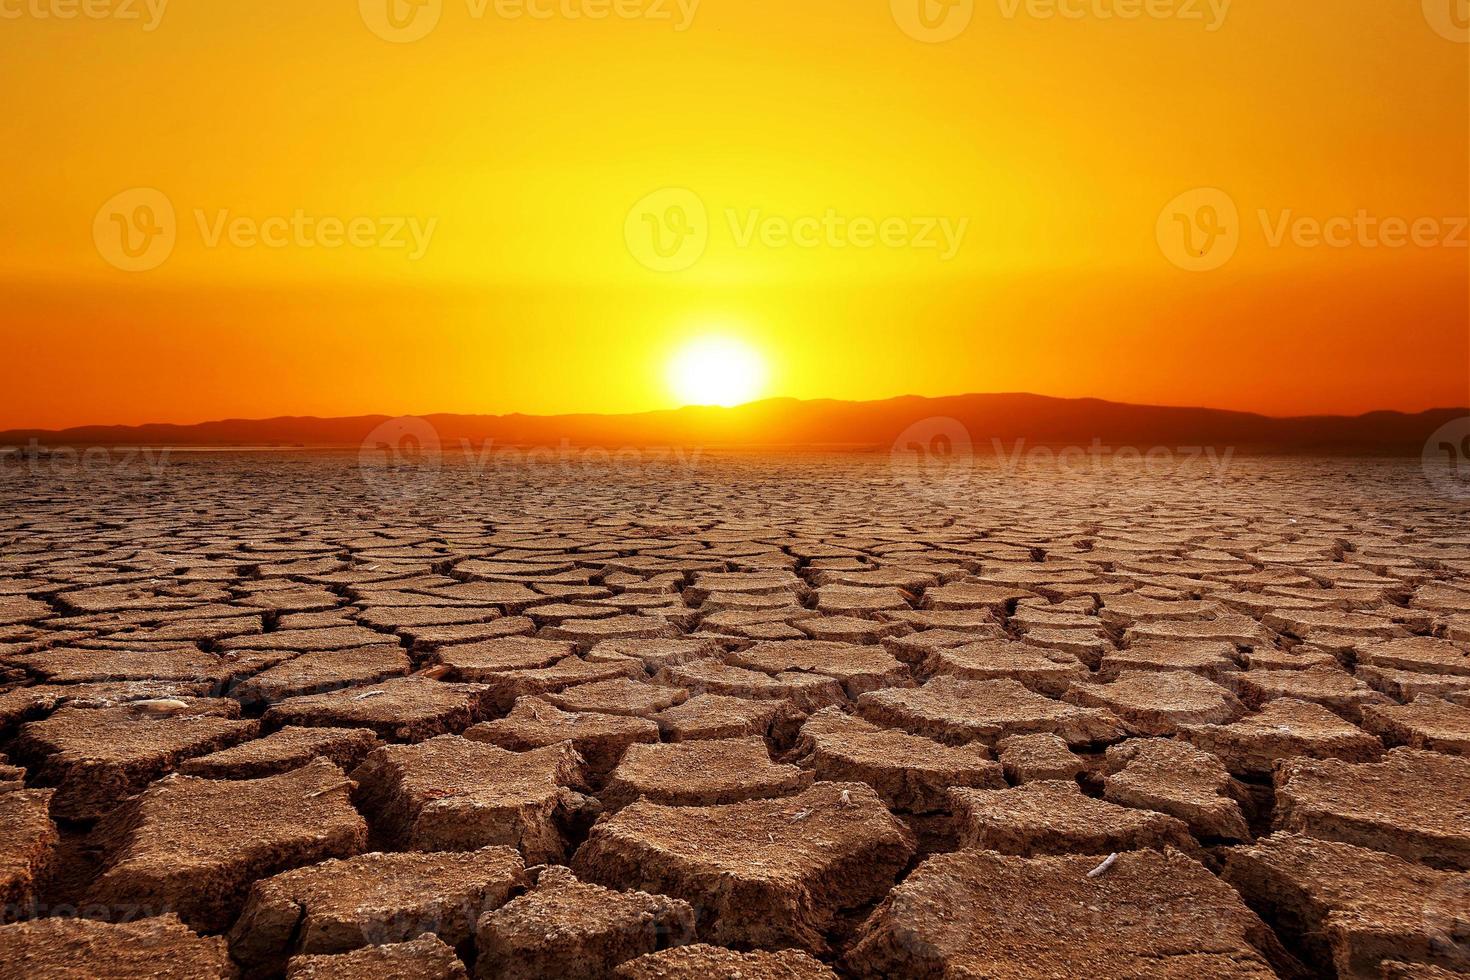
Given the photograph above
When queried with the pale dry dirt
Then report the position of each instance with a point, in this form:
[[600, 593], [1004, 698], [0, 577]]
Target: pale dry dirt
[[576, 715]]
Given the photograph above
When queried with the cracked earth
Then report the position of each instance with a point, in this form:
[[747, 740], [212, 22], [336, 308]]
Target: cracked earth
[[794, 716]]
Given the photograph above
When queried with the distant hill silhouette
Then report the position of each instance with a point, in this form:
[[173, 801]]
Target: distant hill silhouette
[[786, 422]]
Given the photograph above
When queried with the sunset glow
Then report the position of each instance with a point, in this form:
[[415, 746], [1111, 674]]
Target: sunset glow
[[250, 210], [716, 371]]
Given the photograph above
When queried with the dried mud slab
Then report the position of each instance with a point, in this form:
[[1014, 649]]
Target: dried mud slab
[[290, 748], [656, 654], [704, 772], [160, 948], [504, 687], [307, 641], [767, 873], [910, 773], [326, 670], [181, 664], [1417, 654], [1414, 804], [1057, 818], [601, 739], [858, 668], [19, 609], [587, 633], [915, 648], [807, 692], [98, 757], [1348, 908], [1242, 631], [454, 794], [1044, 671], [704, 962], [1406, 685], [1038, 758], [957, 712], [474, 662], [1150, 916], [194, 846], [1283, 729], [1393, 970], [1428, 723], [1178, 779], [24, 704], [371, 900], [1122, 611], [427, 639], [425, 958], [719, 716], [408, 709], [620, 696], [28, 842], [1157, 703], [571, 929], [967, 596], [1332, 688], [1209, 658]]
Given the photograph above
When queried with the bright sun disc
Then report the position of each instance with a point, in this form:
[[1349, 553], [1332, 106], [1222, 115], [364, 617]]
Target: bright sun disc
[[716, 371]]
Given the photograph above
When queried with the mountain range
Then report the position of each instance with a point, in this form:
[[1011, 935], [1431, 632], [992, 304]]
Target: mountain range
[[986, 420]]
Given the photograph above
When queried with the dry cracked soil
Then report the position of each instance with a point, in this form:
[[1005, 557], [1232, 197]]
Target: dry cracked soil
[[287, 714]]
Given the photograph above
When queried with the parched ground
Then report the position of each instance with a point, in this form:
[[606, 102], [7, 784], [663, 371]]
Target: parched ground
[[701, 715]]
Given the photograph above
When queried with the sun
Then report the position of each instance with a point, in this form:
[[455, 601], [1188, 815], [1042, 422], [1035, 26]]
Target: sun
[[716, 371]]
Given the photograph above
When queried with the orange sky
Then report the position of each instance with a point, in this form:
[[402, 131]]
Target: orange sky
[[1048, 146]]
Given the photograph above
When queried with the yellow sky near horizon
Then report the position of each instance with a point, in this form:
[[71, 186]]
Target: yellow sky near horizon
[[979, 214]]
